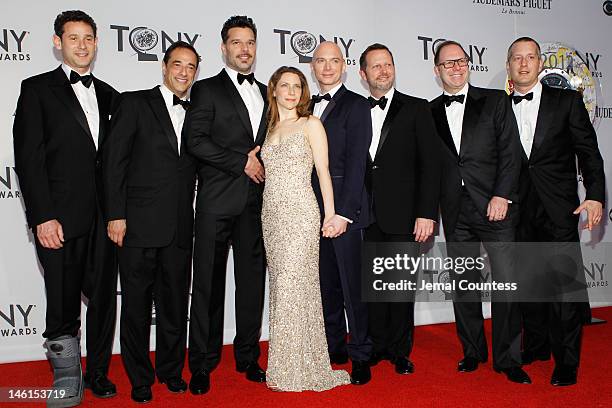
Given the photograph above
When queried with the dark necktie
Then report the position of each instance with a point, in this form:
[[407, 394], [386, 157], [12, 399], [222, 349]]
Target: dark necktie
[[85, 79], [250, 77], [178, 101], [319, 98], [448, 99], [381, 103], [518, 98]]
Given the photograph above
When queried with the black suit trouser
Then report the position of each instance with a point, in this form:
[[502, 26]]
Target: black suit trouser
[[391, 324], [86, 264], [159, 276], [213, 236], [552, 326], [471, 229], [340, 278]]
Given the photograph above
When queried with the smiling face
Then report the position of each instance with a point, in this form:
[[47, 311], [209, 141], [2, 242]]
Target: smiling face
[[288, 91], [239, 49], [328, 65], [453, 79], [524, 65], [180, 71], [379, 72], [78, 45]]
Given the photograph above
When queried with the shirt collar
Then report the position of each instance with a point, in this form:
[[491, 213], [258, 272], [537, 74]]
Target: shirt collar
[[536, 89], [389, 96], [67, 70], [333, 91], [233, 74], [168, 95], [463, 90]]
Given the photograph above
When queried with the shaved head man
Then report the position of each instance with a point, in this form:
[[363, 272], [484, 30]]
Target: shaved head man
[[346, 118]]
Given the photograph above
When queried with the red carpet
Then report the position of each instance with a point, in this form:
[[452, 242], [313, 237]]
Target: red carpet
[[434, 384]]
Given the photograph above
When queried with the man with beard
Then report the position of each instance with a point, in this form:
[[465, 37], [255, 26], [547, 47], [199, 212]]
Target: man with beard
[[224, 131], [403, 181]]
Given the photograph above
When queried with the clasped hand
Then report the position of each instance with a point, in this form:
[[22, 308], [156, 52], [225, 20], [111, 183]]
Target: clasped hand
[[334, 226]]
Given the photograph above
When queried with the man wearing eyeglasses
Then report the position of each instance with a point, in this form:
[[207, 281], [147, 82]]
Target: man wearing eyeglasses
[[480, 171]]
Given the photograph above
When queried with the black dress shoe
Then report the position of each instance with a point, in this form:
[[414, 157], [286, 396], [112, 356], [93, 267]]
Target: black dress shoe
[[253, 371], [338, 358], [200, 382], [142, 394], [100, 385], [361, 373], [468, 364], [403, 365], [564, 375], [528, 357], [515, 374], [175, 384]]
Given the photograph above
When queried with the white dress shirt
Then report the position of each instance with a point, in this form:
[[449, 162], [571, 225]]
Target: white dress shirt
[[378, 119], [89, 103], [177, 112], [317, 111], [526, 113], [454, 116], [252, 98], [319, 108]]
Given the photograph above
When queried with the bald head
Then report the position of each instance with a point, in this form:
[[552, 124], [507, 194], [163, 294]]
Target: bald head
[[328, 65], [327, 48]]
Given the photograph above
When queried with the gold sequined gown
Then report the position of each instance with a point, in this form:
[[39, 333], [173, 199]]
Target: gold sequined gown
[[298, 359]]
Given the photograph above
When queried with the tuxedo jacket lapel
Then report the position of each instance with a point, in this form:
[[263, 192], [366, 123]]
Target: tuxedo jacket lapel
[[239, 105], [261, 132], [64, 92], [548, 104], [439, 114], [156, 100], [473, 109], [104, 97], [332, 104], [396, 105]]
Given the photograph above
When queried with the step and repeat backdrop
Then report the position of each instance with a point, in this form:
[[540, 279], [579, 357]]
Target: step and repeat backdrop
[[575, 39]]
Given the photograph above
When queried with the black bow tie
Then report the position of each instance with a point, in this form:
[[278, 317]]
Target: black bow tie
[[85, 79], [319, 98], [250, 77], [178, 101], [381, 103], [518, 98], [448, 99]]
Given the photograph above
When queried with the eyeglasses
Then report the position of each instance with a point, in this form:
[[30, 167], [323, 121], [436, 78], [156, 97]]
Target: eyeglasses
[[462, 62]]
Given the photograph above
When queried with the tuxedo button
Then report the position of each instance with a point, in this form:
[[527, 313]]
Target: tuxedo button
[[531, 166], [460, 163], [374, 167]]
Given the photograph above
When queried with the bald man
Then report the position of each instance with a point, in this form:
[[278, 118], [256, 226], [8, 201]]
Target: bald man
[[346, 118]]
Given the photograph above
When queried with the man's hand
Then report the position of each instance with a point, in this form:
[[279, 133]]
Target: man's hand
[[594, 211], [253, 167], [116, 231], [50, 234], [497, 208], [423, 228], [337, 224]]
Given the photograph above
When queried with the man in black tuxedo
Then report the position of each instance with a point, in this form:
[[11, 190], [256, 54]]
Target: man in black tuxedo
[[481, 165], [346, 118], [149, 181], [59, 131], [555, 129], [224, 130], [404, 182]]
